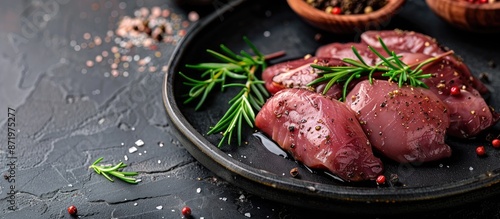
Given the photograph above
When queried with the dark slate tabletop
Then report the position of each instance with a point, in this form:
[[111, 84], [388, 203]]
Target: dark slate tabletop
[[75, 91]]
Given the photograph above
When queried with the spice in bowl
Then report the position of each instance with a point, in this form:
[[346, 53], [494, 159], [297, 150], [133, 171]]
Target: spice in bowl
[[346, 7]]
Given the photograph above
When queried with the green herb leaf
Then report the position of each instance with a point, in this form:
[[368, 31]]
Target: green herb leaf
[[114, 170], [391, 67], [235, 71]]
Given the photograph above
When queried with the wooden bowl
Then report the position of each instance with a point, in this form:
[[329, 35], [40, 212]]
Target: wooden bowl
[[346, 23], [467, 16]]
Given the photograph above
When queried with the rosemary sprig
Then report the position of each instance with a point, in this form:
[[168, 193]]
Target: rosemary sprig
[[115, 171], [391, 67], [236, 70]]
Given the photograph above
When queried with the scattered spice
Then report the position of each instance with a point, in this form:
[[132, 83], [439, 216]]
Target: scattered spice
[[480, 150], [72, 210], [492, 64], [186, 211], [484, 77], [346, 7], [394, 179], [380, 180], [147, 28], [294, 172], [336, 10], [139, 142], [132, 149], [496, 143], [454, 91]]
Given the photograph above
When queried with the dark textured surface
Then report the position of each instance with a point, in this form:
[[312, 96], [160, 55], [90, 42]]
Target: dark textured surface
[[65, 119]]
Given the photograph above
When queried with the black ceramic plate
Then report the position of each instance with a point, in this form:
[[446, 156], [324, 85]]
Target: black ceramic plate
[[272, 26]]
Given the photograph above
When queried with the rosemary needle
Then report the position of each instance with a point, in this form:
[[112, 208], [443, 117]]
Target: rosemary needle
[[115, 170], [391, 67], [234, 71]]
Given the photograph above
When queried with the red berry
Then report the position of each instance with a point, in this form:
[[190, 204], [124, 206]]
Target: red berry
[[72, 210], [186, 211], [480, 151], [455, 90], [336, 10], [496, 143], [380, 180]]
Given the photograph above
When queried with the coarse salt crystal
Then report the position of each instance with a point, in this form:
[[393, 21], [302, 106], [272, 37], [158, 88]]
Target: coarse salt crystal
[[135, 204], [248, 215], [267, 34], [159, 161], [132, 149], [198, 190], [159, 207], [139, 143], [125, 157]]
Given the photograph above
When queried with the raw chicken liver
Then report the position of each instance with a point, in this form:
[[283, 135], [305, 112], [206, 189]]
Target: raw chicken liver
[[319, 132], [298, 73], [469, 112], [402, 41], [405, 124]]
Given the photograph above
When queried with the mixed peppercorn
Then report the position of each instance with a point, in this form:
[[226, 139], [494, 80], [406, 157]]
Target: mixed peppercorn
[[72, 210], [380, 180], [186, 211], [347, 6]]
